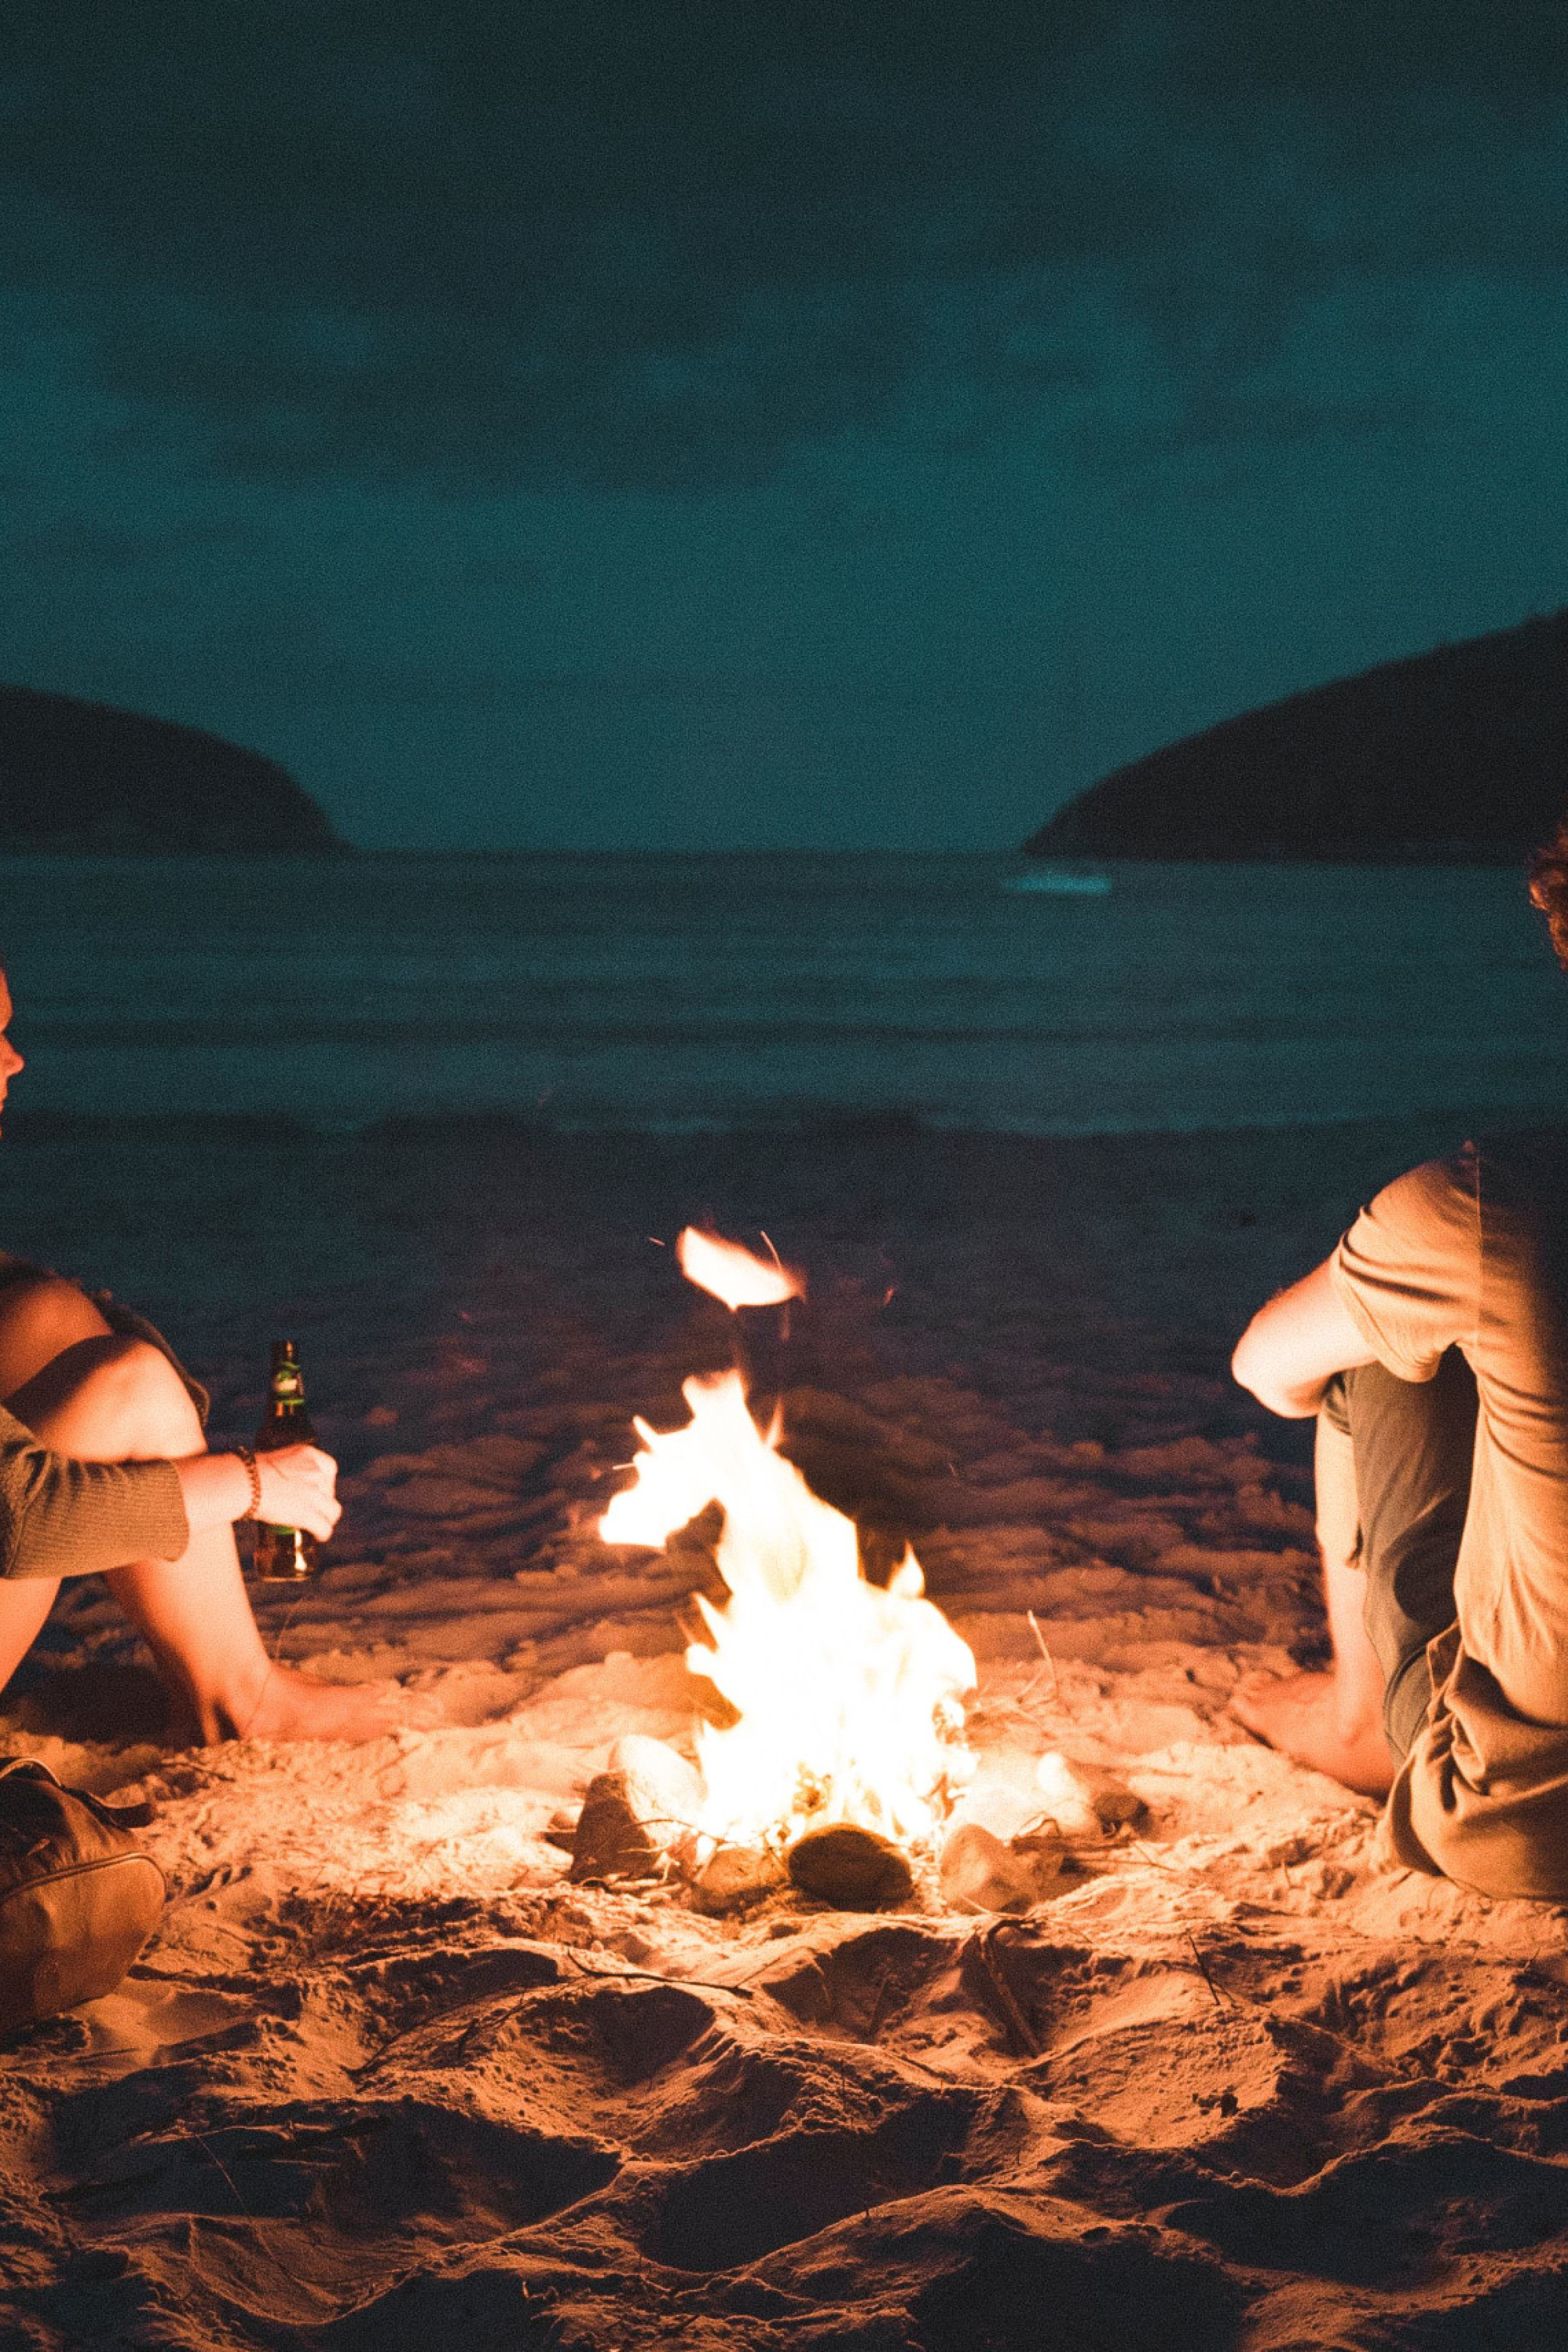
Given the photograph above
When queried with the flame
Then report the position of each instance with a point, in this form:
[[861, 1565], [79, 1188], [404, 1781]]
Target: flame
[[849, 1696], [732, 1274]]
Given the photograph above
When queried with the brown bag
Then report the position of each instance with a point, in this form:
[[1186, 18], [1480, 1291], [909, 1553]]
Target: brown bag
[[78, 1898]]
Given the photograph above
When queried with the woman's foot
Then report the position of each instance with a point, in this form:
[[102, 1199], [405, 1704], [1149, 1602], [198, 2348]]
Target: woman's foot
[[1311, 1719], [291, 1706]]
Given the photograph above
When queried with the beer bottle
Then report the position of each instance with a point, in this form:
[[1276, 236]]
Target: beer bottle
[[284, 1555]]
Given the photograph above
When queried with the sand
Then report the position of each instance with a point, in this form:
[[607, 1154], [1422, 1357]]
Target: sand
[[385, 2078]]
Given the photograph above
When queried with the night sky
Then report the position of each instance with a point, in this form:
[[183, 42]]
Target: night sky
[[672, 425]]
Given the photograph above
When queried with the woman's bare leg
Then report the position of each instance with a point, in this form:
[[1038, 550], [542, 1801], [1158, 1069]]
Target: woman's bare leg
[[40, 1316], [109, 1399], [24, 1602]]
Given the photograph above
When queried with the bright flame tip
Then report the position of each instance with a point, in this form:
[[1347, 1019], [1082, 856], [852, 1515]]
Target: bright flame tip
[[735, 1274]]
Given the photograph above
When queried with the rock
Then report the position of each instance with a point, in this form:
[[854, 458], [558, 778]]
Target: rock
[[610, 1842], [667, 1790], [1085, 1801], [735, 1878], [852, 1869], [644, 1808], [979, 1871]]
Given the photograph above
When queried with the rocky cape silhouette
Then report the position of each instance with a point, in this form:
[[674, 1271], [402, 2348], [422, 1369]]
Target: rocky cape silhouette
[[1456, 756], [81, 776]]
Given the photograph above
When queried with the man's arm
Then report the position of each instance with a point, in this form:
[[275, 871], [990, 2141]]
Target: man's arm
[[1293, 1347]]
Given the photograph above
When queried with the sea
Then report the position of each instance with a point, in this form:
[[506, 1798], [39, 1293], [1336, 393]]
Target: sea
[[682, 994]]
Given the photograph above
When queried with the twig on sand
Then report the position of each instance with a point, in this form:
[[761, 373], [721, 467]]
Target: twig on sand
[[885, 1996], [83, 2057], [1216, 1995], [1012, 2017], [214, 2159], [1158, 1861], [652, 1976], [1053, 1697]]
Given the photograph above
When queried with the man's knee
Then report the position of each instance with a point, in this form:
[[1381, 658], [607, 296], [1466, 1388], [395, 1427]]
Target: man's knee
[[113, 1399]]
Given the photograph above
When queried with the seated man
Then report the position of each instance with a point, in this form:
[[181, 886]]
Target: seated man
[[1433, 1346], [104, 1468]]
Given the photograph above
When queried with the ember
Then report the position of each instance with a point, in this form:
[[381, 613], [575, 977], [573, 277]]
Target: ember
[[849, 1696]]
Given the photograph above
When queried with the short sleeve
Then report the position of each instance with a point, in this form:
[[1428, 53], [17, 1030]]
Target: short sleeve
[[1409, 1271]]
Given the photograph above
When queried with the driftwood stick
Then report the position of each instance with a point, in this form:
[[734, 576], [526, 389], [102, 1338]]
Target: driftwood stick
[[1013, 2016], [1054, 1695], [1218, 1999], [652, 1976]]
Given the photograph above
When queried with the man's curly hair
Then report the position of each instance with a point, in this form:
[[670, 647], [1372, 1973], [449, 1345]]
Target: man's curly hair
[[1549, 889]]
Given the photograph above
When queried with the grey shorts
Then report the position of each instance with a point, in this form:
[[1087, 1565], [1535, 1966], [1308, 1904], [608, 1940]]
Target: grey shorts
[[1393, 1475]]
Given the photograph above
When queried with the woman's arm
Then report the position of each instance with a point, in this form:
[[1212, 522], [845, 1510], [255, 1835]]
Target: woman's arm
[[1293, 1345], [62, 1517]]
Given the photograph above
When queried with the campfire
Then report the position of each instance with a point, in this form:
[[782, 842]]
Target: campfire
[[840, 1750], [843, 1700]]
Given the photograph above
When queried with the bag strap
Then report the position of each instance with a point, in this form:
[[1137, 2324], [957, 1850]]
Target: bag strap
[[134, 1816]]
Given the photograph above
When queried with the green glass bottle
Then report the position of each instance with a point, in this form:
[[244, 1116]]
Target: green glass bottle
[[285, 1555]]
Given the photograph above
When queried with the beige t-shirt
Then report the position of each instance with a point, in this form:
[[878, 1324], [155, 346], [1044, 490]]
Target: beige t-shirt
[[1473, 1252]]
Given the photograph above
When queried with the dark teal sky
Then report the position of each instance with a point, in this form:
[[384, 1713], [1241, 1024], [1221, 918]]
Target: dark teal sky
[[743, 422]]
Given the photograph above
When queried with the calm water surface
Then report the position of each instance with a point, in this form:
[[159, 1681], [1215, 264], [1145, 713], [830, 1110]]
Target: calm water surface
[[690, 992]]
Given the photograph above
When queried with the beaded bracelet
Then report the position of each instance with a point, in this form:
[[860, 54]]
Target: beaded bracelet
[[254, 1475]]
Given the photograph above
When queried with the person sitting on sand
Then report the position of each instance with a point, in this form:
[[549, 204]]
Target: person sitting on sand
[[1433, 1347], [104, 1469]]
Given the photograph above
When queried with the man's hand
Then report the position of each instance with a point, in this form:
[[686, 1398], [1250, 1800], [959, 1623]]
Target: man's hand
[[1293, 1347]]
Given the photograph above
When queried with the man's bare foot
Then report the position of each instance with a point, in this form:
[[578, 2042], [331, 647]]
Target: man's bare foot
[[1307, 1717], [291, 1706]]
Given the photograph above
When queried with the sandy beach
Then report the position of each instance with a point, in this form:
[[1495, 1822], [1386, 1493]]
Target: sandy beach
[[384, 2077]]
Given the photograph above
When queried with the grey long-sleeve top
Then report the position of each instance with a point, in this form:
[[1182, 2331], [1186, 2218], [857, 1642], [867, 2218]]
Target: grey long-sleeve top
[[59, 1517]]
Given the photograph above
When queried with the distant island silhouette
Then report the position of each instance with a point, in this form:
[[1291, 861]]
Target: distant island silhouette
[[83, 776], [1455, 756]]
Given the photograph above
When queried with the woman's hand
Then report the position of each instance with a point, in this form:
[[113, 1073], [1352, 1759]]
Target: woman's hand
[[298, 1489]]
